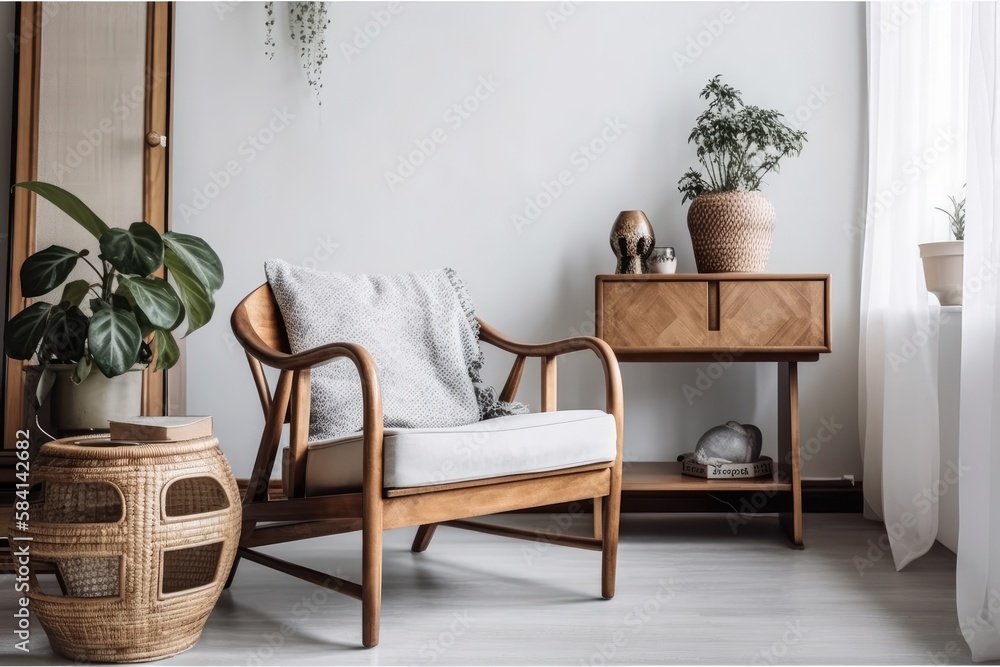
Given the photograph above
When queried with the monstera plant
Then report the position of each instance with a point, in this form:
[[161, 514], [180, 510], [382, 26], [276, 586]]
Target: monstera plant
[[120, 315]]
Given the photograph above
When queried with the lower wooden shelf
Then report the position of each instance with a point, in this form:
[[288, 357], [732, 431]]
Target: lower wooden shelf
[[666, 476]]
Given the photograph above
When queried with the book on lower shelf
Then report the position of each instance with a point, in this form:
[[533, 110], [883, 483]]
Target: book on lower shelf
[[161, 429], [764, 467]]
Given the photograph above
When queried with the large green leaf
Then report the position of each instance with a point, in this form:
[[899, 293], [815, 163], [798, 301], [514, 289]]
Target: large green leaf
[[24, 331], [167, 352], [156, 300], [114, 340], [69, 204], [137, 250], [198, 302], [197, 256], [64, 337], [47, 269], [74, 292]]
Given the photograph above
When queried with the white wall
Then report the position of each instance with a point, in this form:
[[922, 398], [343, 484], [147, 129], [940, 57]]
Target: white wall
[[317, 191]]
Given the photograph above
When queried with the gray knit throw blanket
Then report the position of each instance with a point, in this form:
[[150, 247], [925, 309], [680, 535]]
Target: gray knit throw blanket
[[420, 328]]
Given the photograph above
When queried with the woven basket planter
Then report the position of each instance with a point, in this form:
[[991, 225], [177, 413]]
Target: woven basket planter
[[731, 231], [143, 538]]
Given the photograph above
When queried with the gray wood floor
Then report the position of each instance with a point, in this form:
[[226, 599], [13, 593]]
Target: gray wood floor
[[689, 592]]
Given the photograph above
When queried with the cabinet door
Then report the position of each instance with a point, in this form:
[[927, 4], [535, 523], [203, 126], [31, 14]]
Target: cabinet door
[[92, 104], [648, 314], [773, 314]]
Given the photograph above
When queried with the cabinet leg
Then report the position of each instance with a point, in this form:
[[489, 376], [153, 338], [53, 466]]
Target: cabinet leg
[[789, 460]]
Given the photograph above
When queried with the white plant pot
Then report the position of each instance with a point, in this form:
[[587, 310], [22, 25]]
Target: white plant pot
[[943, 270], [95, 401]]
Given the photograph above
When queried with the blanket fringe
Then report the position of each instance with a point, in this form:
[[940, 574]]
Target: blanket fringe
[[490, 405]]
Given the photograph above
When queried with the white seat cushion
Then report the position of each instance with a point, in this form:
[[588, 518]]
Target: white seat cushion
[[511, 445]]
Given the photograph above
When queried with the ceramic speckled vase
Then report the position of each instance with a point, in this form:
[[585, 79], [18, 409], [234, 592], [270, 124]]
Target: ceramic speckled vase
[[632, 240]]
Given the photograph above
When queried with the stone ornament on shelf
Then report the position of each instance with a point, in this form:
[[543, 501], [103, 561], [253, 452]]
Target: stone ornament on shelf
[[632, 241], [730, 443]]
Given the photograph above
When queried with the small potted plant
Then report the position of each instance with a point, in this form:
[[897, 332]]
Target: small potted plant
[[943, 260], [116, 321], [730, 221]]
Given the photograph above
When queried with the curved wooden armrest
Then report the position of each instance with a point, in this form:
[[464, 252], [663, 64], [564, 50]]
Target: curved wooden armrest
[[292, 395], [490, 335], [548, 352], [317, 356]]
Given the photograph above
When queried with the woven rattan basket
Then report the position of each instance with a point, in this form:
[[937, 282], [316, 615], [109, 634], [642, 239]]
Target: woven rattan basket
[[731, 231], [142, 536]]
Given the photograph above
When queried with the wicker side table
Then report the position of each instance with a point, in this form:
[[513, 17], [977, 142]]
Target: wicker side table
[[142, 537]]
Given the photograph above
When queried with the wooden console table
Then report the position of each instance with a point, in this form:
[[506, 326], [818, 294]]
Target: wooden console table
[[710, 317]]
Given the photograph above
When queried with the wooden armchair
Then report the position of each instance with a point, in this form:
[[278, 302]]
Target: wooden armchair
[[258, 326]]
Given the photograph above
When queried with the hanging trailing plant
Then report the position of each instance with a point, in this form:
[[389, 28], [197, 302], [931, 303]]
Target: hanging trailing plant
[[307, 24], [269, 38]]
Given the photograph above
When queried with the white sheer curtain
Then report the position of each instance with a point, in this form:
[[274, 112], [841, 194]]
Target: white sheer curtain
[[979, 441], [916, 158]]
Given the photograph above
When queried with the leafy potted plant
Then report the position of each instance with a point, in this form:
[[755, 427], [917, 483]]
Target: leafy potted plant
[[943, 260], [730, 221], [119, 320]]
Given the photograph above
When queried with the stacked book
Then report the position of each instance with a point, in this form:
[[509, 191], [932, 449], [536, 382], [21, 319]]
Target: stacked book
[[137, 430]]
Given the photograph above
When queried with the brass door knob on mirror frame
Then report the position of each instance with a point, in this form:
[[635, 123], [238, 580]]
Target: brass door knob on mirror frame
[[156, 139]]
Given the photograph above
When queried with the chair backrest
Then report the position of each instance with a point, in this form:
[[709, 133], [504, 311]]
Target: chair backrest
[[258, 317], [260, 329]]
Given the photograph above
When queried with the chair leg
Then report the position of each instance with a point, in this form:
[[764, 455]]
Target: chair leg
[[422, 540], [609, 549], [232, 573], [371, 583]]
